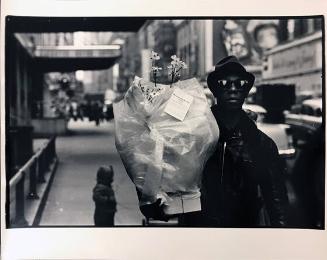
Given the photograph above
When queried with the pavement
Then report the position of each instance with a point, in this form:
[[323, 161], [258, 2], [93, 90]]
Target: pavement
[[80, 154]]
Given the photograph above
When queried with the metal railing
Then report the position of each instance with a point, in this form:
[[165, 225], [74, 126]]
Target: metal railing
[[24, 184]]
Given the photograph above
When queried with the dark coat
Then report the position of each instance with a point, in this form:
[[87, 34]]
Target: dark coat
[[105, 205], [238, 180]]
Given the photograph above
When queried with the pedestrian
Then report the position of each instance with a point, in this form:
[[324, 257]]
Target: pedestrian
[[104, 198], [97, 112], [244, 175], [88, 110]]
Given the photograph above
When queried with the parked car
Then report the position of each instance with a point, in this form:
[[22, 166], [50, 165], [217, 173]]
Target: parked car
[[279, 133], [304, 119]]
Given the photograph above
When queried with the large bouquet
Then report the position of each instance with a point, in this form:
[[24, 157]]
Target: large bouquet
[[164, 135]]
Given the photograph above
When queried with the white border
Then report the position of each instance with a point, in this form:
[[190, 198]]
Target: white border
[[140, 243]]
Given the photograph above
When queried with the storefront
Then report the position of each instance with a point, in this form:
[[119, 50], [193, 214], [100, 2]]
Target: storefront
[[298, 62]]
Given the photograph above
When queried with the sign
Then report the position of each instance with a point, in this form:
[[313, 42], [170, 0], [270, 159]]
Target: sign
[[234, 39], [294, 60], [178, 104]]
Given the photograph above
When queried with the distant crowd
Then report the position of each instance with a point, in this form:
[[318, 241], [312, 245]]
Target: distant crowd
[[96, 111]]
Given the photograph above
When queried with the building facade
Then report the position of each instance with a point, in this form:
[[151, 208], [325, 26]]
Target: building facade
[[97, 81], [298, 58]]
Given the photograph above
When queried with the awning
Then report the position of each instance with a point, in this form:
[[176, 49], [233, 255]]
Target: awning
[[63, 59], [73, 24], [71, 58], [66, 58]]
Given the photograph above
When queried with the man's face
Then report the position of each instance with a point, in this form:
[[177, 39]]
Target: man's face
[[232, 92]]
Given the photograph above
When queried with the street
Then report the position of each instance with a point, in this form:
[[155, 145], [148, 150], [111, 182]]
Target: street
[[80, 154]]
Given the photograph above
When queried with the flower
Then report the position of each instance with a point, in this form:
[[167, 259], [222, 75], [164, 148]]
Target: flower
[[155, 69], [183, 65], [175, 66], [154, 56], [137, 81], [175, 58]]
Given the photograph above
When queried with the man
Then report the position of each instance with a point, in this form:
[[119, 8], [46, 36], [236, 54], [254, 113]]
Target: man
[[244, 174]]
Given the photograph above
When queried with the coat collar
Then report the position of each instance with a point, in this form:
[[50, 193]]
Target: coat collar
[[246, 125]]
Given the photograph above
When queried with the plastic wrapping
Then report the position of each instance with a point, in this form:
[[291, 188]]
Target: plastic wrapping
[[164, 156]]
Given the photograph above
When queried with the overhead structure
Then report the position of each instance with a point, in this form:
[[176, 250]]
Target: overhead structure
[[25, 24], [70, 58]]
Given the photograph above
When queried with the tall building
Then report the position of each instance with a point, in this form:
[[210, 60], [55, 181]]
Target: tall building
[[129, 62], [195, 46], [146, 42], [188, 34]]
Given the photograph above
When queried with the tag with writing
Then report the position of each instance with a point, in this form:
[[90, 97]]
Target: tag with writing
[[178, 104]]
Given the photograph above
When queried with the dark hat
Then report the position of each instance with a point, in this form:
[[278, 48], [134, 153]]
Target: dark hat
[[227, 66]]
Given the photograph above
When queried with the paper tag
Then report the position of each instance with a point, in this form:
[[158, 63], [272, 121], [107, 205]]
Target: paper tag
[[178, 104]]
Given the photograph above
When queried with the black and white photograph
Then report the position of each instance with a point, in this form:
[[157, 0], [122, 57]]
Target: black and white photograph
[[184, 122], [163, 129]]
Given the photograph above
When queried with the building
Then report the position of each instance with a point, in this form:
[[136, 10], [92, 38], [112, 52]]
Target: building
[[298, 58], [195, 47], [146, 43], [201, 43], [95, 81], [129, 63], [190, 40]]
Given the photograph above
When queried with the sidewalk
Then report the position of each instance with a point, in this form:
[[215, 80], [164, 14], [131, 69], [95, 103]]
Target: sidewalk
[[80, 154]]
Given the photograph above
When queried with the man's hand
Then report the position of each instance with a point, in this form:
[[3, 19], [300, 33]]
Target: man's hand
[[155, 211]]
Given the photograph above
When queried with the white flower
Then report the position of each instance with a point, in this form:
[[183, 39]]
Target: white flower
[[174, 63], [154, 56], [184, 66], [156, 69], [175, 58], [137, 81], [177, 64]]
